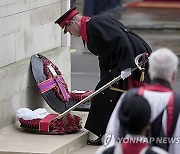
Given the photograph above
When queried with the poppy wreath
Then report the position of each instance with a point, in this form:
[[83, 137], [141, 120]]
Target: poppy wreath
[[60, 84], [66, 125], [66, 96]]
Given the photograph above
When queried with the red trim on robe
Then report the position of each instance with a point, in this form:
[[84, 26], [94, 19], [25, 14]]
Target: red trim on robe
[[170, 113]]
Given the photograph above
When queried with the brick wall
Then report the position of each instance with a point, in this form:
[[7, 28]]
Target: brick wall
[[27, 28]]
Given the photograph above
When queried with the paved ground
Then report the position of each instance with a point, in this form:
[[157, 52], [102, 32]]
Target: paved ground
[[85, 71], [159, 27]]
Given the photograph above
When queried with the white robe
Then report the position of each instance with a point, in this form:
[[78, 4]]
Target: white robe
[[158, 101]]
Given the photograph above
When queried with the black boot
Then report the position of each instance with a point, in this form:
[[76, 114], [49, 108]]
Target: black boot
[[96, 142]]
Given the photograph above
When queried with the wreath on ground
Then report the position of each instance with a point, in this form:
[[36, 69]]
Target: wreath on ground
[[31, 120]]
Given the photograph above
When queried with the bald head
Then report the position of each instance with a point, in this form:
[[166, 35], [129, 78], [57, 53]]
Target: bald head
[[163, 64]]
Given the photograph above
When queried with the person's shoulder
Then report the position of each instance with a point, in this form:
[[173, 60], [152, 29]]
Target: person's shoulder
[[101, 19], [97, 22], [98, 17]]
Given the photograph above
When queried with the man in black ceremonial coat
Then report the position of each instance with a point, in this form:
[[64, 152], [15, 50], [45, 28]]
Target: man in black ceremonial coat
[[115, 47]]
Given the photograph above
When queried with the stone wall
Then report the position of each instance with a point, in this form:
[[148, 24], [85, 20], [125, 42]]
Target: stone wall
[[27, 28]]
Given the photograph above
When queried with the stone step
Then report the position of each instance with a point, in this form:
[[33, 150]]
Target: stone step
[[162, 38], [15, 140], [157, 28], [87, 150]]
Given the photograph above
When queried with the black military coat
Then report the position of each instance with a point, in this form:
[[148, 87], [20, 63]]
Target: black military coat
[[115, 47]]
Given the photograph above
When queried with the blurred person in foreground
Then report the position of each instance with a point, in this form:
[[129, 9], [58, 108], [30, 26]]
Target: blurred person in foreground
[[115, 46], [164, 102], [134, 115]]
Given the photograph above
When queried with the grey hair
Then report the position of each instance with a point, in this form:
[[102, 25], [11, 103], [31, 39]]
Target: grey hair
[[162, 64]]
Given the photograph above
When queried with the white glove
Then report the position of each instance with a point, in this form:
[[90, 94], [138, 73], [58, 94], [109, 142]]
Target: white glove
[[125, 73]]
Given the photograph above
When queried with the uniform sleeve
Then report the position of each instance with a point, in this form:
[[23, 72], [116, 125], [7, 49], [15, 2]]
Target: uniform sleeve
[[115, 38]]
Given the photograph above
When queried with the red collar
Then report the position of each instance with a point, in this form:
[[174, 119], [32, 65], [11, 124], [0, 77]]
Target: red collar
[[84, 20]]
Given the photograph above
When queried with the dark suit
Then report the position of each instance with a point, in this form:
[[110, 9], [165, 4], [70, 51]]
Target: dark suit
[[115, 47]]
